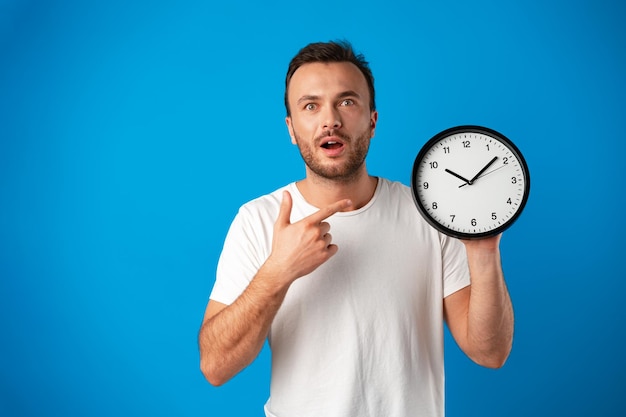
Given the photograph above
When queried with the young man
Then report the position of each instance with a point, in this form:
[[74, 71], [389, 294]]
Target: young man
[[354, 319]]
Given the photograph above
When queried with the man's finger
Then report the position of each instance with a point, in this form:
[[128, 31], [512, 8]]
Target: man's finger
[[284, 214], [332, 249], [328, 211]]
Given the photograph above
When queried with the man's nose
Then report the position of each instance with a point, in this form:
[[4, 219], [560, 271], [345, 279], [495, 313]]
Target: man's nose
[[331, 119]]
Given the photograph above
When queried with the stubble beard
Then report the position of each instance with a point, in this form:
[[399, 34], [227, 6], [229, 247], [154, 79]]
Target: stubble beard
[[344, 173]]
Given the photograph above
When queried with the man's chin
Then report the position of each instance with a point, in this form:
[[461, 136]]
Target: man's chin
[[336, 173]]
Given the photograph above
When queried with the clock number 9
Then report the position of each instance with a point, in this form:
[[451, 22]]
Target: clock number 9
[[425, 185]]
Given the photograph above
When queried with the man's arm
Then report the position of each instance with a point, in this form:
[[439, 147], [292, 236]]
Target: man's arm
[[480, 316], [232, 336]]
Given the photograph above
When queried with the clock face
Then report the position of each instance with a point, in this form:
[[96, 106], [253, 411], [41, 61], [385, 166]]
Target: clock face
[[470, 182]]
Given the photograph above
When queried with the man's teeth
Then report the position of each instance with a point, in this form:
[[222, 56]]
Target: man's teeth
[[331, 144]]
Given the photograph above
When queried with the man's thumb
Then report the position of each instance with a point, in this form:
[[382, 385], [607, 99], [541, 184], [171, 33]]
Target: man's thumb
[[284, 215]]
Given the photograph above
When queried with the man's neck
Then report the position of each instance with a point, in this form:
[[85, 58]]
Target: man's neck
[[321, 192]]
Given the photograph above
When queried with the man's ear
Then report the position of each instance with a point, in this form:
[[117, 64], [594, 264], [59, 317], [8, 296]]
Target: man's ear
[[290, 129], [373, 121]]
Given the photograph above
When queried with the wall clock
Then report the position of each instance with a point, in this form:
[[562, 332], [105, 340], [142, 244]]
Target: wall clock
[[470, 182]]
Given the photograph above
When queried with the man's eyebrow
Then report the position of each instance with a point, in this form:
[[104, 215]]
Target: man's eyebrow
[[308, 97], [343, 94], [349, 93]]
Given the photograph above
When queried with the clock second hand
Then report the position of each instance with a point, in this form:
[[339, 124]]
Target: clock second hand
[[485, 174]]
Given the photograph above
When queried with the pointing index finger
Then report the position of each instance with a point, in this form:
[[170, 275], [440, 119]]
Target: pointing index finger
[[329, 210]]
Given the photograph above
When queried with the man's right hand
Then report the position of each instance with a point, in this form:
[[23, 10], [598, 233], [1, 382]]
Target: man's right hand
[[299, 248], [232, 335]]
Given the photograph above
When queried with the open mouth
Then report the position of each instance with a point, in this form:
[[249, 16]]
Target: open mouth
[[331, 144]]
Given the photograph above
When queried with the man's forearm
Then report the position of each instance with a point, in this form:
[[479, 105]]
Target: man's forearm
[[490, 314], [231, 339]]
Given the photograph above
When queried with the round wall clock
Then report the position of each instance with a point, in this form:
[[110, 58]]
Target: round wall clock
[[470, 182]]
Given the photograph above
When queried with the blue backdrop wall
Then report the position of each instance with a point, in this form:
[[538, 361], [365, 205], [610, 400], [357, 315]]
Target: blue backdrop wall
[[131, 131]]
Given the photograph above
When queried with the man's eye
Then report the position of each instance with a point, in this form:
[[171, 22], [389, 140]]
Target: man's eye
[[347, 102], [310, 106]]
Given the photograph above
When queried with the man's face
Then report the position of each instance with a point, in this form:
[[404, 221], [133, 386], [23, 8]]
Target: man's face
[[330, 120]]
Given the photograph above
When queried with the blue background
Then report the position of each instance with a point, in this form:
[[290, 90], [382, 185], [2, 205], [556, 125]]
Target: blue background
[[131, 131]]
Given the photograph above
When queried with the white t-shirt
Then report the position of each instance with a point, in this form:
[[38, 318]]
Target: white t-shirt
[[362, 335]]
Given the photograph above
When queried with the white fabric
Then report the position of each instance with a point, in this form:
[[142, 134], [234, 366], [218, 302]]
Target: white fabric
[[363, 334]]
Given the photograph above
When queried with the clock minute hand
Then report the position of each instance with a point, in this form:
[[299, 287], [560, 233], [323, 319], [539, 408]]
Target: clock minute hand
[[470, 182], [458, 176]]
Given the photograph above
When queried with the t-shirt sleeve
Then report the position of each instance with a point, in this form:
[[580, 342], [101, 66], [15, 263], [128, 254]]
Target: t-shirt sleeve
[[455, 267], [239, 261]]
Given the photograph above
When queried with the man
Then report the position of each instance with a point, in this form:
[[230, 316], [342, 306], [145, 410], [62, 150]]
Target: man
[[354, 319]]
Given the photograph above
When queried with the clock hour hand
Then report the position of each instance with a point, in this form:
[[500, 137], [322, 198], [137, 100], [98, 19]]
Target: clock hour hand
[[470, 182], [458, 176]]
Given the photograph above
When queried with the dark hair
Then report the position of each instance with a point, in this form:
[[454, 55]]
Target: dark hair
[[333, 51]]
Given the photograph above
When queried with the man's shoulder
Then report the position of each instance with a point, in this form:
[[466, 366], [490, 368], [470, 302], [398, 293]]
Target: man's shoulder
[[394, 184], [395, 188], [267, 203]]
